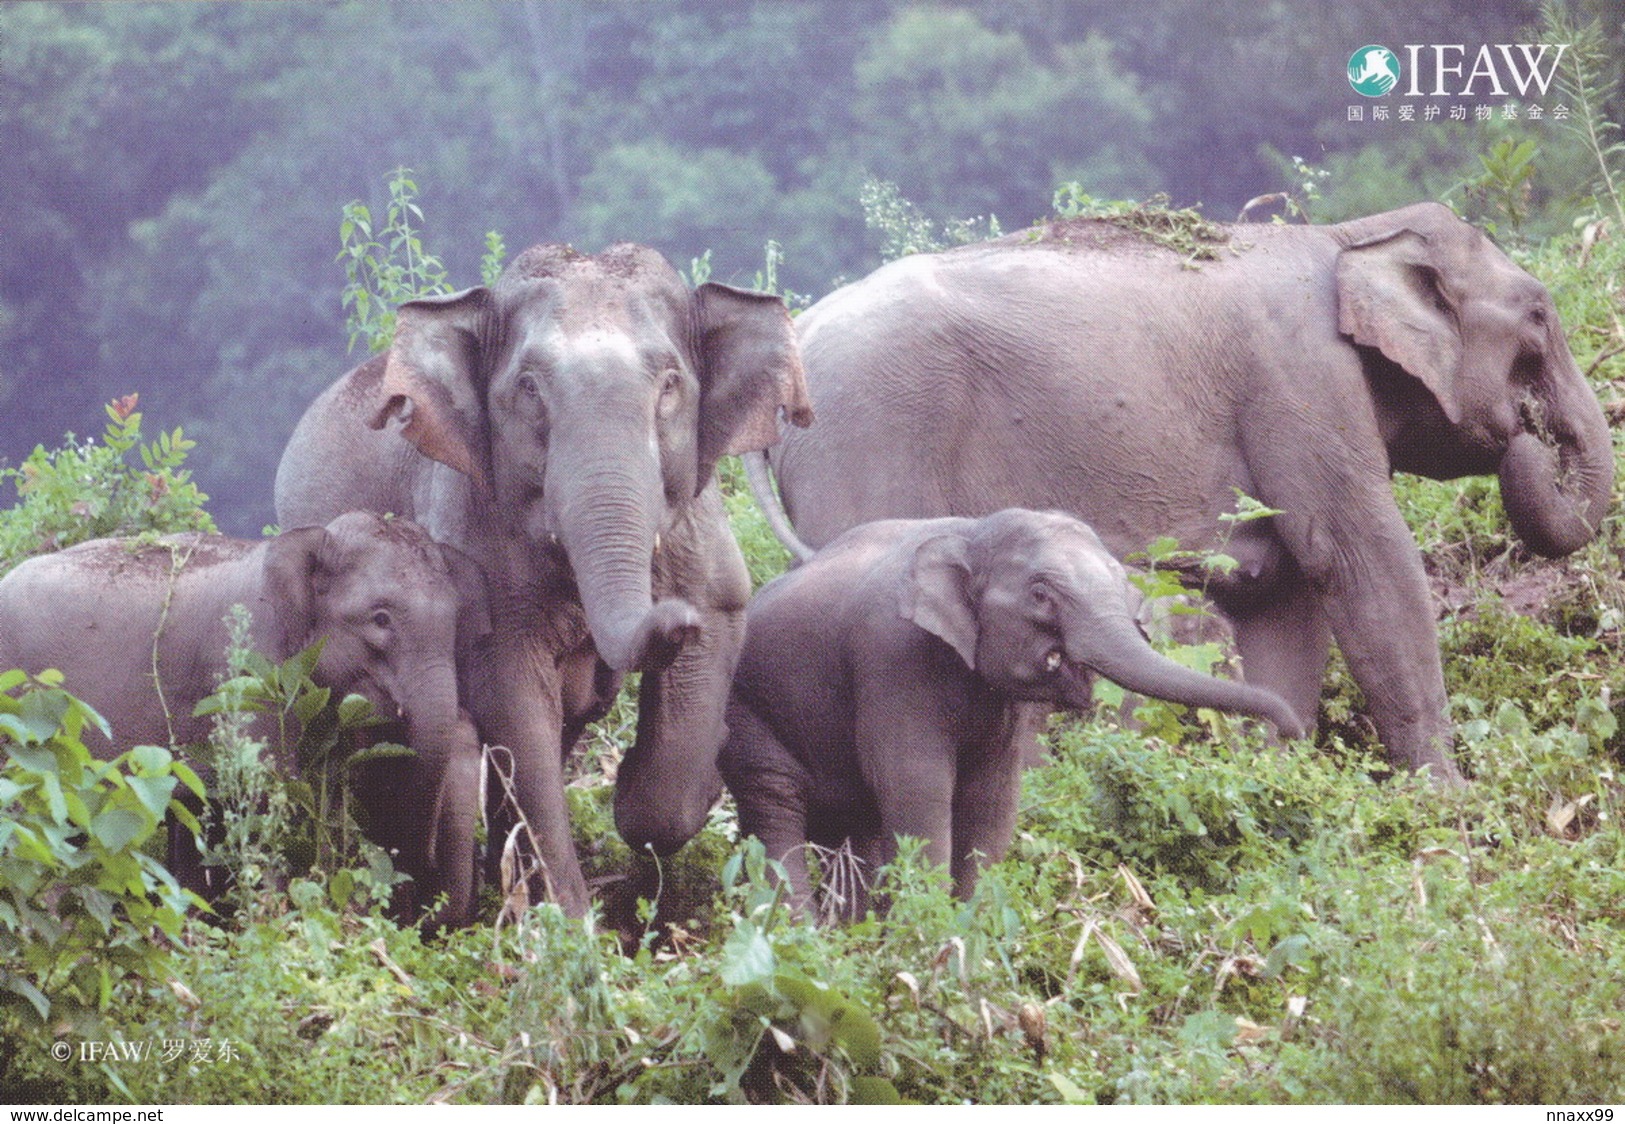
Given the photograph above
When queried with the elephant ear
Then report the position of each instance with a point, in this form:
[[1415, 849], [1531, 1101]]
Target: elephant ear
[[293, 562], [936, 594], [749, 368], [1392, 295], [432, 379]]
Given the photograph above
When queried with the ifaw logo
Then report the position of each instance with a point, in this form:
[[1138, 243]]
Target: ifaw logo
[[1497, 70]]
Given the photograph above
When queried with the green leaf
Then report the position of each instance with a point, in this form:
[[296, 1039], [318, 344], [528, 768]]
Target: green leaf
[[356, 710], [383, 751], [1288, 952], [1070, 1091], [747, 957], [875, 1090], [150, 759], [182, 771], [116, 828], [41, 714], [55, 802], [19, 986], [340, 887], [153, 792]]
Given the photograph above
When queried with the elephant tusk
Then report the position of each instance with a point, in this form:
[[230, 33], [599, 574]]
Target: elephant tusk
[[1052, 662], [657, 544]]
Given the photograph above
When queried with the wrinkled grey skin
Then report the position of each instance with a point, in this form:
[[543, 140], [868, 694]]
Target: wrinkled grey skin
[[386, 599], [563, 429], [1082, 368], [896, 682]]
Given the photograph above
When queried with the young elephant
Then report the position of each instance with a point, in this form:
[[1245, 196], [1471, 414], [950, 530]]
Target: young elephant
[[894, 684], [393, 606]]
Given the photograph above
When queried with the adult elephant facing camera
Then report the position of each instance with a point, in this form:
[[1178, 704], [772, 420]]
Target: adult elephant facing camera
[[1082, 367], [563, 428]]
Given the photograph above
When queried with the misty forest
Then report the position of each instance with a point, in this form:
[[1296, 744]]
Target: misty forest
[[212, 212]]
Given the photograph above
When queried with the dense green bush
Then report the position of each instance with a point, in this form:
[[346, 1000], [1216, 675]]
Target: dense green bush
[[88, 491], [83, 906]]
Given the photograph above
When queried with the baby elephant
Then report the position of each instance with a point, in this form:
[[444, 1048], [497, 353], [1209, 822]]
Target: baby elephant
[[894, 684], [393, 606]]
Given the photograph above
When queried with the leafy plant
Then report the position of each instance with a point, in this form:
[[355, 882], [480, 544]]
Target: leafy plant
[[905, 229], [1582, 81], [87, 490], [491, 263], [83, 907], [1507, 183], [388, 266], [276, 820]]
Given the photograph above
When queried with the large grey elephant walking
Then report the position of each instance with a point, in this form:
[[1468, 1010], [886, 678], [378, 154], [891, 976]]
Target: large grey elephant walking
[[1080, 366], [563, 428], [140, 633]]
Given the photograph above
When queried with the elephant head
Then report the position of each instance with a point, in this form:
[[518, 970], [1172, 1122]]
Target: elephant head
[[587, 400], [1436, 298], [1037, 607], [394, 610]]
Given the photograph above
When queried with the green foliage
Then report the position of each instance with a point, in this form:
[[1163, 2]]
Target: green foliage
[[971, 119], [905, 229], [496, 254], [664, 194], [1507, 183], [765, 556], [85, 491], [83, 907], [385, 268], [274, 821], [1583, 80]]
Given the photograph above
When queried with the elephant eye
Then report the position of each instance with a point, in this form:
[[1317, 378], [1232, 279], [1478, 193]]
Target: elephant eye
[[382, 619], [671, 387], [1041, 599], [528, 386]]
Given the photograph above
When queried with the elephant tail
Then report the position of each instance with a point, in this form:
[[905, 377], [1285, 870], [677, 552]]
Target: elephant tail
[[760, 475]]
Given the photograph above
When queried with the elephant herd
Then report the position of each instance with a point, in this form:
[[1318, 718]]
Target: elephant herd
[[546, 449]]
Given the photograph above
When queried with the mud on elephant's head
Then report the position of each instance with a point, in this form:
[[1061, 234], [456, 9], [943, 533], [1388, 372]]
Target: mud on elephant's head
[[1482, 337], [587, 398]]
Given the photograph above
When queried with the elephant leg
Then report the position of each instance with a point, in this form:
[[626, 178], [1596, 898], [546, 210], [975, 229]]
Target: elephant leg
[[589, 688], [988, 792], [527, 717], [771, 789], [1392, 649], [1284, 643], [1364, 565], [906, 745], [669, 781]]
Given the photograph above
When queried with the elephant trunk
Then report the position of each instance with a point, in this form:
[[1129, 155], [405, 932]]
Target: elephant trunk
[[1556, 485], [607, 515], [1114, 647], [426, 807]]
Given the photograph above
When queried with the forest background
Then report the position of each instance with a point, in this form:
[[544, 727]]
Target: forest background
[[173, 173]]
